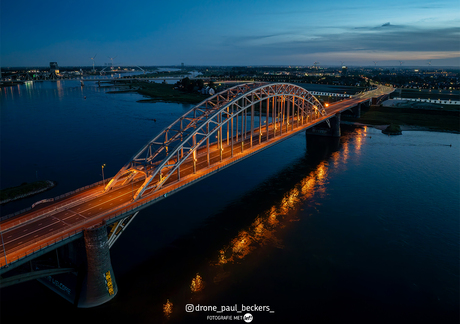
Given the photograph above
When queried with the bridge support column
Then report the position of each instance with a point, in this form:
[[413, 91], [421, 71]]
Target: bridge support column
[[324, 130], [99, 284], [322, 147], [356, 111]]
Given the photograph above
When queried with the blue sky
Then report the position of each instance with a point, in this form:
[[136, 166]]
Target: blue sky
[[34, 33]]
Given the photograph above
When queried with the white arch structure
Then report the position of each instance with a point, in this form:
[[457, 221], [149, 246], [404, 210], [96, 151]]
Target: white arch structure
[[284, 104]]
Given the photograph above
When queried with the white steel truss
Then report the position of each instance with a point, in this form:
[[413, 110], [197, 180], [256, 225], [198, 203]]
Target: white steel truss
[[163, 155]]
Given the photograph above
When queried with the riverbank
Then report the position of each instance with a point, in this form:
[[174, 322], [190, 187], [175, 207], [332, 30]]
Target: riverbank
[[412, 118], [160, 92], [25, 190], [418, 115]]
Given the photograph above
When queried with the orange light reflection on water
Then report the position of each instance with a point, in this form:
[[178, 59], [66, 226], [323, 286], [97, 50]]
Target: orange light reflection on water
[[359, 140], [264, 230], [345, 152], [197, 283], [167, 308]]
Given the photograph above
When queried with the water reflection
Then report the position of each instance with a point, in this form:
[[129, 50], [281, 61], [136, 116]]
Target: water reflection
[[268, 227], [51, 90], [167, 308], [360, 137], [197, 284]]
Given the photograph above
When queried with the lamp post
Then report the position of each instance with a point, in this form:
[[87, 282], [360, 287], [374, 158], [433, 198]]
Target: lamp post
[[103, 181]]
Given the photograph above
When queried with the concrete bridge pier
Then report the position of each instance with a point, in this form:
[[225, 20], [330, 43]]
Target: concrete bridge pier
[[98, 283], [92, 281], [324, 130], [321, 147], [356, 111]]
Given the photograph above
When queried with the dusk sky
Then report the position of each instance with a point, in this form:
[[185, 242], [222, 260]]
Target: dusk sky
[[70, 32]]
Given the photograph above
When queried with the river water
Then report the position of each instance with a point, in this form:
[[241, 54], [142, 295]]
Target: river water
[[363, 229]]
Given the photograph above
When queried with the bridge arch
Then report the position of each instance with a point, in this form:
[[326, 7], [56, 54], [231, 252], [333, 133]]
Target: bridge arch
[[204, 126]]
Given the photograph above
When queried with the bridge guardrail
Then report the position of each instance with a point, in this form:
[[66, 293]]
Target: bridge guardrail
[[147, 200], [78, 232], [176, 187], [37, 249]]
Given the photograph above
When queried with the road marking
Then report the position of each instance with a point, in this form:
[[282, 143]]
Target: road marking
[[119, 195], [30, 234]]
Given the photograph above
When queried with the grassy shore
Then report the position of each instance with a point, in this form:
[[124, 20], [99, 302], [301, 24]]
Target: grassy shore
[[25, 189], [159, 92], [432, 119], [444, 119]]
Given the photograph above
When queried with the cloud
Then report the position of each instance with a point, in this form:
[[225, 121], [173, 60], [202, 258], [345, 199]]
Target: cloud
[[404, 38], [382, 42]]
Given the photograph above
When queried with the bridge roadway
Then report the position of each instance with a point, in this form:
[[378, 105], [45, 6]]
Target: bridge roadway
[[37, 230]]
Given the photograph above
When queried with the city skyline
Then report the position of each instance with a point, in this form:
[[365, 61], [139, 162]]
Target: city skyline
[[231, 33]]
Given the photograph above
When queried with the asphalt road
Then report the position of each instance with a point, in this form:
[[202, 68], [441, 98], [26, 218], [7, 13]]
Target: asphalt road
[[38, 228]]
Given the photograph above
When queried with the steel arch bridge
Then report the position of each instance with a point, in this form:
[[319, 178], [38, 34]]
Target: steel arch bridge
[[227, 116]]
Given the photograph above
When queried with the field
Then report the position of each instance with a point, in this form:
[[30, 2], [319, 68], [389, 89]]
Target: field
[[159, 92], [439, 120]]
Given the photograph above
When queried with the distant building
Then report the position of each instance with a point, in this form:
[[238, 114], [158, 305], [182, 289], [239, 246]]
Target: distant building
[[208, 90], [344, 71], [182, 65], [54, 68]]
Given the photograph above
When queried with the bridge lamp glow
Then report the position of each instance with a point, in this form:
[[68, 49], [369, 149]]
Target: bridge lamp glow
[[103, 182]]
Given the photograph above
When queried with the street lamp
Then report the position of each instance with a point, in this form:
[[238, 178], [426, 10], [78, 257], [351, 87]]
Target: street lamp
[[103, 181]]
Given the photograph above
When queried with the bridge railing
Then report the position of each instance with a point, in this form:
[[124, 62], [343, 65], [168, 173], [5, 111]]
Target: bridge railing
[[67, 236], [122, 211], [38, 248], [172, 188]]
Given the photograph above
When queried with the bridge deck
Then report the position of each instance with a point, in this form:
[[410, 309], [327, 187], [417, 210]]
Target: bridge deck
[[33, 231]]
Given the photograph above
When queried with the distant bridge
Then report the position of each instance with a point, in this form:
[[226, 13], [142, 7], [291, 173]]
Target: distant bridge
[[215, 134]]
